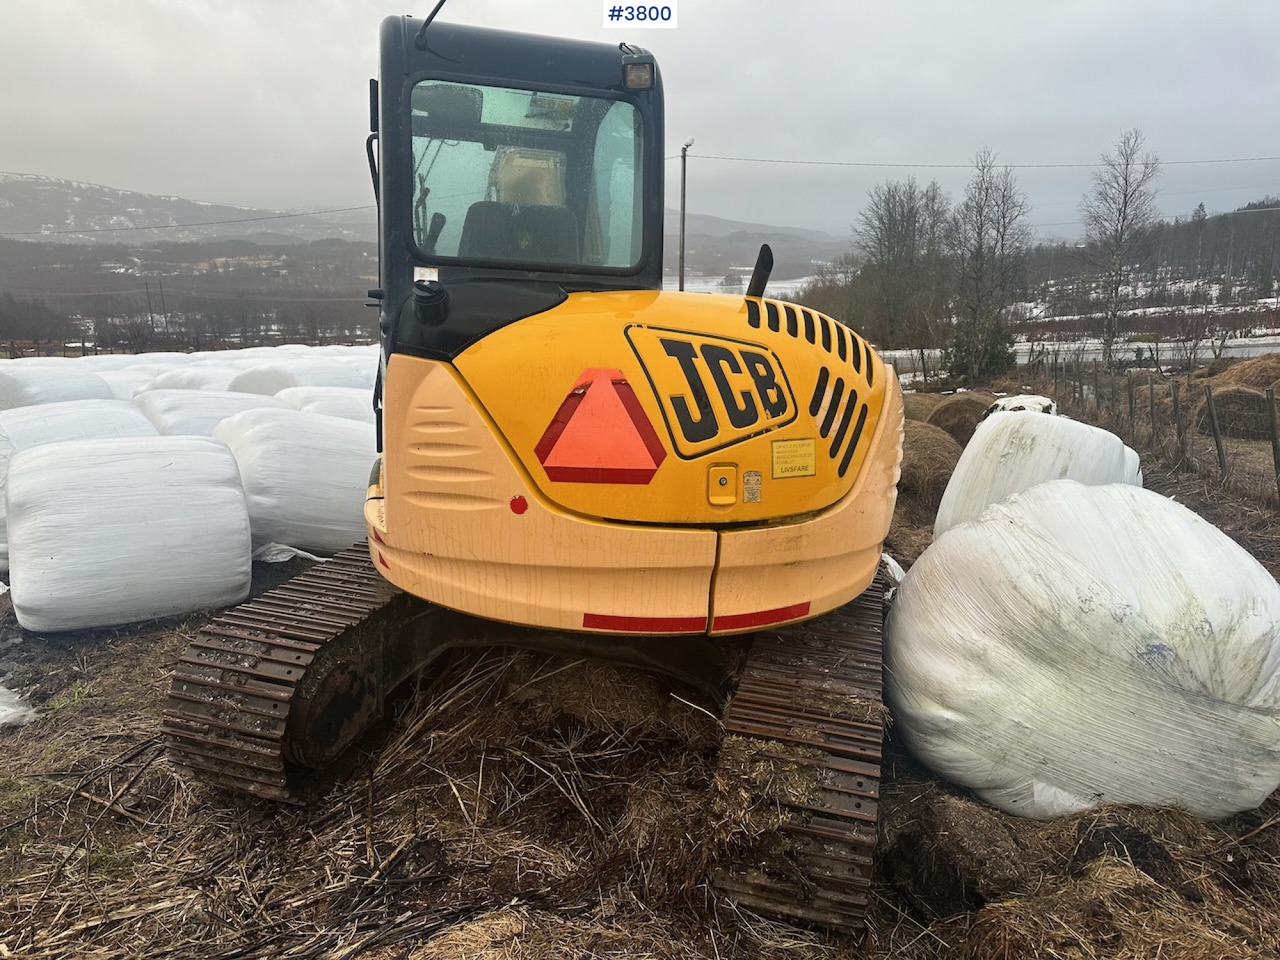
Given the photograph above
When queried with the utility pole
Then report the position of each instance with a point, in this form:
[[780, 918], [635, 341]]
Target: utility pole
[[164, 311], [684, 159], [151, 319]]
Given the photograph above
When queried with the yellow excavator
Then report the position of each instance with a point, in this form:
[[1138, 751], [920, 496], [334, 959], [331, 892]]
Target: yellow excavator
[[573, 459]]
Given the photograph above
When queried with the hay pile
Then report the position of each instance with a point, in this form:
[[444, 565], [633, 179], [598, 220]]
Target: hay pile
[[959, 415], [1242, 413], [1257, 372], [1112, 882], [918, 406], [929, 456]]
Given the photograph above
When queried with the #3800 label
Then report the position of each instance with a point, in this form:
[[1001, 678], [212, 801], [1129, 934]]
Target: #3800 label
[[640, 15]]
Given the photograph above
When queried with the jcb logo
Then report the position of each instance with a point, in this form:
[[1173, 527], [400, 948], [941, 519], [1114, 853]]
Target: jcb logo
[[714, 391]]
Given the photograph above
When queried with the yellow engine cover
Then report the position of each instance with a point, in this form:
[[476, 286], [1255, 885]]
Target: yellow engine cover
[[677, 408]]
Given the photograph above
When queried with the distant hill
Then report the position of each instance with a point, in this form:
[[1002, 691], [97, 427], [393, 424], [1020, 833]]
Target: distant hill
[[715, 247], [709, 226], [70, 211]]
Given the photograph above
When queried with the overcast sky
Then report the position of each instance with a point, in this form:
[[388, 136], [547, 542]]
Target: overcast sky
[[264, 102]]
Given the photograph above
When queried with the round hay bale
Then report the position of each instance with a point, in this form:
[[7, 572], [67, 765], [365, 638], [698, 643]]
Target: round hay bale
[[959, 415], [1257, 372], [929, 455], [1218, 366], [918, 406], [1242, 413]]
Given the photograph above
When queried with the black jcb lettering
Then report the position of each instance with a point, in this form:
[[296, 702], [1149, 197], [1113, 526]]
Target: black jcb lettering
[[771, 393], [718, 360], [704, 426]]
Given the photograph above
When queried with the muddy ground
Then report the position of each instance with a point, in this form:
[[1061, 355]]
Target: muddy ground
[[530, 806]]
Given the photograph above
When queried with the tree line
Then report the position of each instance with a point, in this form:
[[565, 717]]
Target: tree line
[[928, 272], [184, 295]]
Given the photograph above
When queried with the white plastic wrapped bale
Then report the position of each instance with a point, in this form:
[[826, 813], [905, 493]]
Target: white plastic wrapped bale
[[1132, 467], [196, 412], [304, 474], [351, 403], [26, 384], [271, 378], [202, 376], [124, 383], [1081, 645], [25, 427], [1031, 403], [103, 532], [1016, 450]]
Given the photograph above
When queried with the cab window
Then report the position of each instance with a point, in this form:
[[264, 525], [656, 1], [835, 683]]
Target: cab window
[[513, 176]]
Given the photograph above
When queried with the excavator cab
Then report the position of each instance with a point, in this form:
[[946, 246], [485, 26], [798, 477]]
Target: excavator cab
[[503, 156], [573, 459]]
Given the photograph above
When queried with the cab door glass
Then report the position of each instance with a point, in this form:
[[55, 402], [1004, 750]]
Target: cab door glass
[[525, 177]]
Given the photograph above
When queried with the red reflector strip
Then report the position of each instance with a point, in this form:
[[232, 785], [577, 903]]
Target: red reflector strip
[[739, 621], [383, 560], [602, 621]]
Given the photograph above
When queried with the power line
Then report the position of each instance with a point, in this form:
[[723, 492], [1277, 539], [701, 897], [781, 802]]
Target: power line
[[140, 291], [178, 226], [957, 166]]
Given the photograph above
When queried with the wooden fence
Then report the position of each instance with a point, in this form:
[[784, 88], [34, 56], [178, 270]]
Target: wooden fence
[[1228, 434]]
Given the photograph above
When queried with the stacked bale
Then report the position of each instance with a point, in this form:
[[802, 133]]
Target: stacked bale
[[351, 403], [203, 376], [103, 532], [196, 412], [308, 493], [23, 384], [1022, 402], [1015, 451], [304, 475], [271, 378], [24, 427]]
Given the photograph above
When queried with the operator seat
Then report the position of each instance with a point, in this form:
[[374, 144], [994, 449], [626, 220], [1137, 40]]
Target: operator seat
[[531, 233]]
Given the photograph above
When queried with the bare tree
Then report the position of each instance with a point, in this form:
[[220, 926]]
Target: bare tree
[[989, 237], [837, 292], [1118, 213], [898, 234]]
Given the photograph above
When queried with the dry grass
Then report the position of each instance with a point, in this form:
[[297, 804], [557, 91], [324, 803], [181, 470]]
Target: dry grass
[[525, 806], [534, 807]]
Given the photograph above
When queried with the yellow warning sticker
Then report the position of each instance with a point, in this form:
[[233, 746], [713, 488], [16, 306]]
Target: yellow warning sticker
[[794, 458]]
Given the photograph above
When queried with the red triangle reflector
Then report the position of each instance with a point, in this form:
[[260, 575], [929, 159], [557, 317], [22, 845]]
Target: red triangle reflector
[[600, 434]]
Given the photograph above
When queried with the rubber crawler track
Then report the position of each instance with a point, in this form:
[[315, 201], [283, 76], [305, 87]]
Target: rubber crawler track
[[810, 699], [229, 701]]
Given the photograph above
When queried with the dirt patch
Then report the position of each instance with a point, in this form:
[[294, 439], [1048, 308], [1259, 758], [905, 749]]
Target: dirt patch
[[959, 415]]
